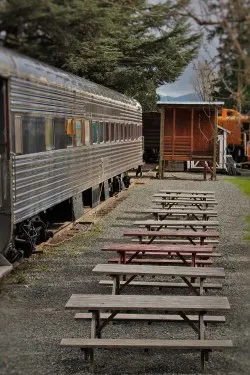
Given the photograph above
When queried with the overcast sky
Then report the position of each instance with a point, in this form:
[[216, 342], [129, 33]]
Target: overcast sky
[[184, 84]]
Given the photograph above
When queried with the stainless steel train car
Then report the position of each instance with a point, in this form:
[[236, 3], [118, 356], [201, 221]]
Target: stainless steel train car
[[60, 135]]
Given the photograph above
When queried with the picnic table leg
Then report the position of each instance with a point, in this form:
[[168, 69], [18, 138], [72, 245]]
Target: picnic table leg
[[116, 285], [93, 334], [202, 337]]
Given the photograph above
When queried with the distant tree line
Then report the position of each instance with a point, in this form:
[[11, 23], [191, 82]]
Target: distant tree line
[[132, 46]]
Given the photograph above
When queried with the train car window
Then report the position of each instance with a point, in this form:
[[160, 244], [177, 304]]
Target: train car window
[[70, 133], [112, 132], [78, 133], [83, 132], [128, 131], [94, 132], [61, 137], [123, 132], [87, 132], [101, 131], [107, 132], [49, 134], [33, 134], [18, 136]]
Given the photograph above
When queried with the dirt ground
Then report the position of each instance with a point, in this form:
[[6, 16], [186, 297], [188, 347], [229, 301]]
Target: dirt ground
[[33, 319]]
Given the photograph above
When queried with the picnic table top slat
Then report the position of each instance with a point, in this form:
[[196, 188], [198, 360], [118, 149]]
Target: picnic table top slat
[[133, 269], [177, 211], [183, 196], [177, 222], [205, 192], [177, 233], [185, 202], [155, 248], [146, 302]]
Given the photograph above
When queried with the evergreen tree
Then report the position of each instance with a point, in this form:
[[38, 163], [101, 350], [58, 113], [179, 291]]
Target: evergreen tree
[[128, 45]]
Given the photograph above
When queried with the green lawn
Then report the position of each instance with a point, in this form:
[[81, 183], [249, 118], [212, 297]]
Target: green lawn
[[244, 185]]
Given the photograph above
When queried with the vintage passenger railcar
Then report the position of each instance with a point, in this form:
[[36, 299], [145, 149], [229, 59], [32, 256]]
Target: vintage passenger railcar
[[60, 135]]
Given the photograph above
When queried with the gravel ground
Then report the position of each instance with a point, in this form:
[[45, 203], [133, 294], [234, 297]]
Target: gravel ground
[[33, 319]]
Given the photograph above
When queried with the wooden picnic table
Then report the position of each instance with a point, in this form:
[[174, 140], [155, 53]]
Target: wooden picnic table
[[181, 305], [128, 252], [191, 192], [192, 224], [189, 235], [208, 198], [117, 271], [161, 213], [169, 203]]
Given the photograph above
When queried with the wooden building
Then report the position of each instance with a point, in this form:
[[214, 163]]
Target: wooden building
[[188, 131]]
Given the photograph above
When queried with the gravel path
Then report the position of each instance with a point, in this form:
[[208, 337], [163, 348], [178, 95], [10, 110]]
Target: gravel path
[[33, 319]]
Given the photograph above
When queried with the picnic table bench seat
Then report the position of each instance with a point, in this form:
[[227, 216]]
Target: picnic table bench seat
[[193, 214], [199, 262], [154, 317], [203, 346], [149, 224], [162, 284]]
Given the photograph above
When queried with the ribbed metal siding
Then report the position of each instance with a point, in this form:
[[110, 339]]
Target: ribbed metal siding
[[47, 178], [35, 97]]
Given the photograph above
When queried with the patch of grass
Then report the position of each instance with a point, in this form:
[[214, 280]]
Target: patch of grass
[[19, 278], [242, 183]]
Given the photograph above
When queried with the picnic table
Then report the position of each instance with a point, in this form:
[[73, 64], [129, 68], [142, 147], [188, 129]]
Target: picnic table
[[181, 305], [188, 235], [117, 271], [191, 192], [161, 213], [128, 252], [169, 203], [192, 224], [185, 197]]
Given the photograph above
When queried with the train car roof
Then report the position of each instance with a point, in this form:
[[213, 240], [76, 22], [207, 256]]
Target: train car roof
[[15, 64]]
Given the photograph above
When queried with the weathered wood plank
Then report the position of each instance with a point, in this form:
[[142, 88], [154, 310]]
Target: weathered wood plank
[[162, 284], [148, 233], [154, 317], [146, 343], [157, 261], [113, 302], [184, 223], [197, 197], [178, 191], [185, 202], [132, 247], [133, 269]]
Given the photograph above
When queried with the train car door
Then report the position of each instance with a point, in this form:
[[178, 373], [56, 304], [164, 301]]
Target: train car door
[[5, 170]]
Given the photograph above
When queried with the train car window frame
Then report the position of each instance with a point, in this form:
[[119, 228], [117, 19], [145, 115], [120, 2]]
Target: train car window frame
[[95, 136], [49, 134], [18, 135], [33, 134], [101, 132], [112, 132], [69, 133], [106, 132], [87, 132], [78, 133]]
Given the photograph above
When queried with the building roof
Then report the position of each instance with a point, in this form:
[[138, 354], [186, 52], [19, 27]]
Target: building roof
[[190, 103]]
